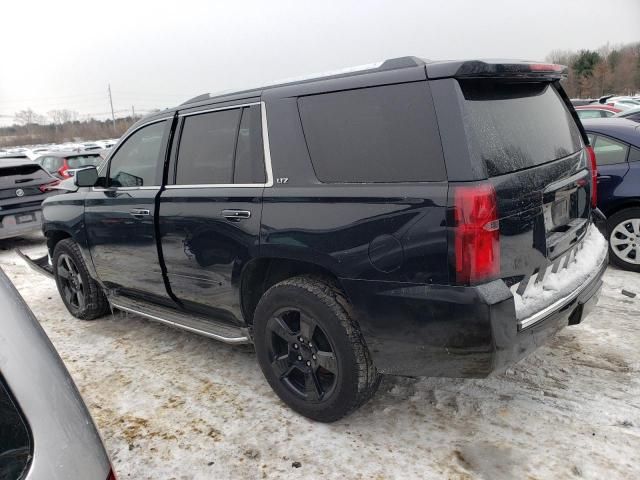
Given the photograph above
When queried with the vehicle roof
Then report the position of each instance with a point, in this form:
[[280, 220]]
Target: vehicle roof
[[630, 111], [620, 128], [434, 69]]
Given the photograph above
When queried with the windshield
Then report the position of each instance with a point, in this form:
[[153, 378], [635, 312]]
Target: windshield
[[513, 126]]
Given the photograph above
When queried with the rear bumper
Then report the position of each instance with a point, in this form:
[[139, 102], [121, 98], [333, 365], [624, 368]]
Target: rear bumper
[[429, 330], [12, 225]]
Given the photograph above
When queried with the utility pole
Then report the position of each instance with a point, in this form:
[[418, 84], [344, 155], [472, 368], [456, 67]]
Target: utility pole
[[113, 117], [133, 111]]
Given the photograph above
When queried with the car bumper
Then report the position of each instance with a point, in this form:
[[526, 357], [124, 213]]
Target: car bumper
[[430, 330], [16, 224]]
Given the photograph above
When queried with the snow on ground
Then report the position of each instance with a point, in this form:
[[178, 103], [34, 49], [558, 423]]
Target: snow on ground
[[173, 405]]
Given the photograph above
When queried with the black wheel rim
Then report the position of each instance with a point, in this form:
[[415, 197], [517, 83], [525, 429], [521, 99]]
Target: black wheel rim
[[71, 285], [302, 355]]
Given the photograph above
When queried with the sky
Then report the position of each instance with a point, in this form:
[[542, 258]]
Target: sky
[[156, 54]]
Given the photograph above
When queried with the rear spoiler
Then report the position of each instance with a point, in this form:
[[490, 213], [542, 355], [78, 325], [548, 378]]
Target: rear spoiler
[[512, 69]]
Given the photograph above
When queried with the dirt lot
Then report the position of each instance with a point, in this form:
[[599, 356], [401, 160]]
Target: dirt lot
[[172, 405]]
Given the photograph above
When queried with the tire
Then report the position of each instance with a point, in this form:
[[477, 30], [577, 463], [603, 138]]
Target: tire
[[328, 374], [80, 293], [623, 229]]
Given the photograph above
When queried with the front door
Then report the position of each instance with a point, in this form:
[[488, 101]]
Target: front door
[[120, 217], [209, 217]]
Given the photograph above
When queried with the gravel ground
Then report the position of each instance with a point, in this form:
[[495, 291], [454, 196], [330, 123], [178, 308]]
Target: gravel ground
[[173, 405]]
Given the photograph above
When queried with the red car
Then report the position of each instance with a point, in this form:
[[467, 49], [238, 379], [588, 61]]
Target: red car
[[596, 111]]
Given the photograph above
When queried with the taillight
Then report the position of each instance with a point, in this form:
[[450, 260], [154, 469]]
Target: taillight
[[62, 171], [111, 476], [477, 235], [545, 67], [594, 176], [45, 187]]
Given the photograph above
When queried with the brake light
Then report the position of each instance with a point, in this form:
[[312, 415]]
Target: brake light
[[112, 475], [545, 67], [593, 166], [62, 171], [45, 187], [477, 235]]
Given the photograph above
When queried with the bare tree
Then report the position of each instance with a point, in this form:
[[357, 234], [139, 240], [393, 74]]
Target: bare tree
[[62, 116], [25, 117]]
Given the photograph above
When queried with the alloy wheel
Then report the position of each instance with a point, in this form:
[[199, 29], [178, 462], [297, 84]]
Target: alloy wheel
[[301, 355], [71, 284]]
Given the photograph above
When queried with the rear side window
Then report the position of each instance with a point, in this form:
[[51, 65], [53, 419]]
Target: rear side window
[[16, 175], [609, 151], [377, 134], [15, 445], [249, 165], [222, 147], [512, 126], [634, 154]]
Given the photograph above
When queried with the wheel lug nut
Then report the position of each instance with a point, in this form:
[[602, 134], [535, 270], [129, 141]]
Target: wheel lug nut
[[313, 356], [299, 357], [295, 345], [301, 339], [310, 344], [308, 363]]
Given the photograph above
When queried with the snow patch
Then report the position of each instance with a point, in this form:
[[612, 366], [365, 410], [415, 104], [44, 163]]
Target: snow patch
[[561, 283]]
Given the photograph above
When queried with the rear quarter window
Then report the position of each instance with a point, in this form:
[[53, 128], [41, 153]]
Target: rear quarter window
[[516, 125], [377, 134]]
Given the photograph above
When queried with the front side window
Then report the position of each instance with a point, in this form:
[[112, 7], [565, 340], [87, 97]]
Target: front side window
[[609, 151], [137, 162]]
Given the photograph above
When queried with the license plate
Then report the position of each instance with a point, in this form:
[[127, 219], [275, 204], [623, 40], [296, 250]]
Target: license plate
[[561, 211], [27, 218]]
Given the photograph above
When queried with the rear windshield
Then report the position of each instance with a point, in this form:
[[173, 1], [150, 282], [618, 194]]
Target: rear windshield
[[18, 174], [84, 161], [513, 126]]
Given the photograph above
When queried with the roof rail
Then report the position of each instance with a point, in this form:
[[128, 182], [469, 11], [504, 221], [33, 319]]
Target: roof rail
[[199, 98]]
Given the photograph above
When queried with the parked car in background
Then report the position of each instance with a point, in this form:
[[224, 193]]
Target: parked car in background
[[23, 187], [577, 102], [65, 164], [631, 114], [616, 142], [596, 111], [375, 221], [46, 431]]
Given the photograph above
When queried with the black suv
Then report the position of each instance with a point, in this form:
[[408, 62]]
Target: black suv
[[411, 218]]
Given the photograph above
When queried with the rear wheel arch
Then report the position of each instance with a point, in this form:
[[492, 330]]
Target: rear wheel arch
[[622, 205], [54, 237], [262, 273]]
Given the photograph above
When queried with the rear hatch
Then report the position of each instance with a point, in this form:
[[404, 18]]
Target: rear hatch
[[526, 140], [23, 185]]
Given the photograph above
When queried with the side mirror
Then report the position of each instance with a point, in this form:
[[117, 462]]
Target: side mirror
[[86, 177]]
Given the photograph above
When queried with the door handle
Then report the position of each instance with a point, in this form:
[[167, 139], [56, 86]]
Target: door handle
[[139, 212], [604, 177], [235, 215]]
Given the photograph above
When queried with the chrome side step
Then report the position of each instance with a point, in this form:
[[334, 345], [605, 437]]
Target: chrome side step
[[185, 321], [41, 264]]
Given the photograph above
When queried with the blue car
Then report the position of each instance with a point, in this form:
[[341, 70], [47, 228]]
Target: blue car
[[616, 142]]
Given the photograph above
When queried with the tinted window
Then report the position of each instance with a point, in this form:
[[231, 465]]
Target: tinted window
[[609, 151], [83, 161], [589, 113], [634, 155], [249, 165], [378, 134], [207, 146], [607, 113], [517, 125], [15, 447], [137, 161]]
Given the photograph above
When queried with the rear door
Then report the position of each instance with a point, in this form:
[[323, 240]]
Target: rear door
[[119, 218], [611, 155], [210, 212]]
